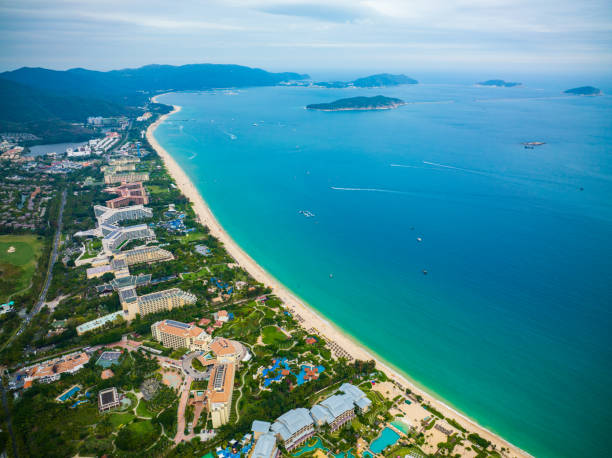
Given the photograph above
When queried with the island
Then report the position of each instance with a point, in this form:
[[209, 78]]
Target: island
[[378, 102], [378, 80], [584, 90], [498, 83]]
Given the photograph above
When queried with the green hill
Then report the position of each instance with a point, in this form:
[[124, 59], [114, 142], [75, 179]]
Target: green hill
[[378, 102], [135, 85], [45, 102]]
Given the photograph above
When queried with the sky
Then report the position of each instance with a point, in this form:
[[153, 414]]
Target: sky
[[310, 35]]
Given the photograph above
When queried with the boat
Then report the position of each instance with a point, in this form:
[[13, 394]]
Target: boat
[[419, 239], [306, 213], [424, 272]]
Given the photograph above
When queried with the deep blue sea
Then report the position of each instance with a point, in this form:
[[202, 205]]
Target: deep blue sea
[[512, 324]]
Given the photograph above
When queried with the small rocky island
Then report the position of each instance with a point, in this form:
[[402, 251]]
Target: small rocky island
[[378, 80], [498, 83], [584, 90], [378, 102]]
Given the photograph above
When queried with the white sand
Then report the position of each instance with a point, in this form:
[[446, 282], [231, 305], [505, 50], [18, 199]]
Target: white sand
[[309, 318]]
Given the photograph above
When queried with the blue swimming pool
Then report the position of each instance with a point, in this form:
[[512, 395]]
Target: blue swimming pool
[[386, 438], [68, 394]]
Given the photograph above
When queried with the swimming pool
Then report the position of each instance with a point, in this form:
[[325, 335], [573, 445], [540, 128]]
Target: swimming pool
[[401, 425], [68, 394], [386, 438], [308, 448]]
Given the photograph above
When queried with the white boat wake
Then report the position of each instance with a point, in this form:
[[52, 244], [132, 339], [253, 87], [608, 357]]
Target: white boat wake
[[335, 188]]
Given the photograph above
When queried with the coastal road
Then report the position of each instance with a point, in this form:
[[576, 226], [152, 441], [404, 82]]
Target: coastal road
[[52, 260]]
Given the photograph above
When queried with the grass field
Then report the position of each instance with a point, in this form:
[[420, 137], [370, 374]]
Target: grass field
[[117, 419], [271, 335], [19, 256], [143, 411]]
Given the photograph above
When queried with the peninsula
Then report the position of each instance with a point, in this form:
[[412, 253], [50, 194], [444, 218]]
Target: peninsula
[[378, 80], [584, 90], [498, 83], [378, 102]]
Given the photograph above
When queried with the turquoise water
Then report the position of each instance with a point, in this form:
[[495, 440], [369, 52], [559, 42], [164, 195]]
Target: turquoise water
[[511, 325], [308, 448], [70, 393], [399, 424], [387, 437]]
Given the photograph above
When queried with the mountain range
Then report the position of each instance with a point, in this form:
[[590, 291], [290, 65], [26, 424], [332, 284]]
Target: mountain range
[[36, 99]]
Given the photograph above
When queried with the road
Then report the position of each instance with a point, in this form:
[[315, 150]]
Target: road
[[43, 294], [180, 428]]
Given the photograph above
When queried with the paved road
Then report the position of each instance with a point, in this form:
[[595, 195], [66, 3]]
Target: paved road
[[180, 428], [43, 294], [58, 235]]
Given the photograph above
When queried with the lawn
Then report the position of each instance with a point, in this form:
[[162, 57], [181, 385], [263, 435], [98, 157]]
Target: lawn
[[271, 335], [118, 419], [138, 435], [19, 255], [92, 248], [143, 411]]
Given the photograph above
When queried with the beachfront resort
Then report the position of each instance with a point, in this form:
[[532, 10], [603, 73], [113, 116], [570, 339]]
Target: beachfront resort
[[154, 338]]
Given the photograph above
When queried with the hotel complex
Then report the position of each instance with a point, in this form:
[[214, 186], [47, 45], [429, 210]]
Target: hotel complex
[[115, 236], [219, 393], [153, 302], [129, 194], [296, 426], [108, 215], [175, 334], [128, 177]]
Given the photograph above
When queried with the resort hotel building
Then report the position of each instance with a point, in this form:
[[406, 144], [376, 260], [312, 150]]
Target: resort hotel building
[[108, 399], [98, 322], [107, 215], [153, 302], [175, 334], [128, 177], [219, 393], [129, 194], [265, 441], [115, 236], [148, 254], [296, 426]]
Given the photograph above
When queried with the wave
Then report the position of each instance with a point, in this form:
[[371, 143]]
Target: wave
[[192, 157], [392, 191]]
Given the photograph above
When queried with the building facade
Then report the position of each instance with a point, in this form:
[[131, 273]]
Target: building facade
[[219, 393], [128, 177], [175, 334]]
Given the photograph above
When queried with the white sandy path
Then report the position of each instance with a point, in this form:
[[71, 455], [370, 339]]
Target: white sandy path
[[311, 318]]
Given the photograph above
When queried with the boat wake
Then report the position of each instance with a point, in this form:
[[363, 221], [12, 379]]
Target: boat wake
[[404, 166], [391, 191], [192, 156], [460, 169]]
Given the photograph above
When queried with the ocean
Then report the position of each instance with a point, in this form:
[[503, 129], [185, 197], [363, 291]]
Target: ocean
[[479, 268]]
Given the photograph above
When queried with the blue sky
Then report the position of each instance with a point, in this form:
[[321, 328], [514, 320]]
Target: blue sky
[[310, 36]]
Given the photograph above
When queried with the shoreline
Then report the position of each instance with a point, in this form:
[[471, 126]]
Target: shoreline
[[310, 317]]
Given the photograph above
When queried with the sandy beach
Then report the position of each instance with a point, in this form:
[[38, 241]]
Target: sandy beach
[[308, 318]]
